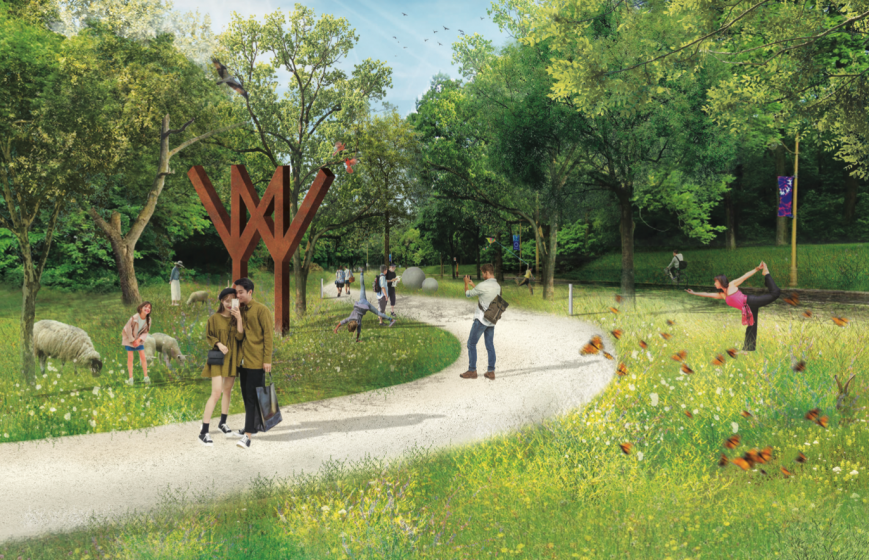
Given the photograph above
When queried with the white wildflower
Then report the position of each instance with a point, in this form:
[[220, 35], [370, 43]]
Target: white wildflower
[[666, 409], [631, 386], [31, 412], [93, 423], [97, 390], [854, 472], [39, 387], [854, 496], [654, 397], [718, 390], [734, 426], [342, 512], [52, 409], [716, 417], [67, 416], [325, 508], [639, 455], [837, 469]]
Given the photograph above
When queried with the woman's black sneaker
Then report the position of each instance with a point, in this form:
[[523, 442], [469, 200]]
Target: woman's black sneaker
[[244, 442], [205, 439], [226, 431]]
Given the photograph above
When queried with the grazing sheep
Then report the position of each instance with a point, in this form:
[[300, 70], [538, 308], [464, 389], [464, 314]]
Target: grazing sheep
[[198, 296], [166, 345], [53, 339]]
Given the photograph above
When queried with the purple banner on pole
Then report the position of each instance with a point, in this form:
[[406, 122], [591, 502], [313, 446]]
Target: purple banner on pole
[[786, 197], [515, 242]]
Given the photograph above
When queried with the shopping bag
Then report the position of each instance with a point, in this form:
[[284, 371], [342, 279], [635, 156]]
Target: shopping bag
[[267, 399]]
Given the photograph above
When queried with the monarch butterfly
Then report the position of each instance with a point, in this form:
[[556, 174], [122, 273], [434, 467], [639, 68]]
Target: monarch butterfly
[[619, 298], [718, 361], [626, 447], [688, 414], [731, 352], [666, 336], [722, 462], [807, 313], [622, 370], [679, 356], [786, 472], [801, 458], [813, 414], [614, 310], [643, 344], [593, 346], [793, 300], [741, 463], [733, 441], [751, 457], [686, 369], [746, 414], [671, 323], [841, 321], [617, 334], [608, 356], [765, 454], [799, 366], [822, 421]]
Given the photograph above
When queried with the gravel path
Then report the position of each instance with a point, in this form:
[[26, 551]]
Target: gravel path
[[56, 485]]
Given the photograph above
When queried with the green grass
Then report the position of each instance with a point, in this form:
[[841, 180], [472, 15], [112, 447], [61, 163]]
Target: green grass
[[310, 364], [563, 489]]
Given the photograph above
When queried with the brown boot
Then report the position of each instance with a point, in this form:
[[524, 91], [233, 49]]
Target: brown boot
[[489, 375], [470, 374]]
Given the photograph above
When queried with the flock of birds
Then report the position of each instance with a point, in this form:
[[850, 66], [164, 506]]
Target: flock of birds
[[751, 457], [462, 33]]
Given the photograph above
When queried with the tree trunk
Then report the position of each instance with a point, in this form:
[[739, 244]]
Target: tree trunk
[[29, 290], [479, 274], [730, 210], [300, 274], [851, 186], [549, 259], [386, 241], [781, 223], [499, 259], [626, 229]]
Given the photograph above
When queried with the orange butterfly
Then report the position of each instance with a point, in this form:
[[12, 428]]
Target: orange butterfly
[[801, 458], [786, 472], [679, 356], [617, 333], [822, 421], [742, 463], [841, 321], [339, 147], [746, 414], [348, 163], [807, 314], [813, 414], [614, 310], [619, 298], [608, 356], [622, 370], [718, 361], [733, 441], [799, 366], [793, 300], [594, 346], [688, 414], [626, 447], [643, 344], [751, 457], [731, 352], [671, 323], [765, 454], [722, 462], [666, 336], [686, 369]]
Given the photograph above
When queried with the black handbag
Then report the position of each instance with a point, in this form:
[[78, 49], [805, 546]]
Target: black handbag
[[215, 357], [270, 411]]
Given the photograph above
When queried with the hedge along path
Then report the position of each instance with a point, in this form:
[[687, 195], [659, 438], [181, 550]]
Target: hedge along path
[[50, 486]]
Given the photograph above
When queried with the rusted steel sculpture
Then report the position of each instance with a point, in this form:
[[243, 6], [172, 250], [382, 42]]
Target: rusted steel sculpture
[[281, 237]]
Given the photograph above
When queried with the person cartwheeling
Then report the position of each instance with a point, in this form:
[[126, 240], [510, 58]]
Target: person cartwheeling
[[354, 321]]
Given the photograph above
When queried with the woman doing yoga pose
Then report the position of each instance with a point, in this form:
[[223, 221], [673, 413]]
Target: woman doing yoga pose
[[749, 305]]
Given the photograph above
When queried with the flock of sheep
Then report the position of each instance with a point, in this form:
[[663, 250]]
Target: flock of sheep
[[59, 341]]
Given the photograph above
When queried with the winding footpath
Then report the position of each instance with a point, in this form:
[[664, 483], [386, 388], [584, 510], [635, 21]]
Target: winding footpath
[[56, 485]]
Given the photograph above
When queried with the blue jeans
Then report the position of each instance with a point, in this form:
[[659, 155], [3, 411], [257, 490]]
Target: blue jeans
[[488, 333]]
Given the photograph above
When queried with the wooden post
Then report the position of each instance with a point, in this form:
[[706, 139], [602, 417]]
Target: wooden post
[[570, 299], [794, 225], [321, 288]]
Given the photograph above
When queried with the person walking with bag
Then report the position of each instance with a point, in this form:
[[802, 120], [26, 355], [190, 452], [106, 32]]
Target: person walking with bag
[[380, 288], [225, 331], [133, 338], [675, 265], [486, 292], [256, 355], [175, 283], [339, 280]]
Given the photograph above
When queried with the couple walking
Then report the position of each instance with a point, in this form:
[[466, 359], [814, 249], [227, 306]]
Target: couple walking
[[245, 335]]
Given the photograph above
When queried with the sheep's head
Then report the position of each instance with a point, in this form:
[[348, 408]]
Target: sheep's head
[[96, 366]]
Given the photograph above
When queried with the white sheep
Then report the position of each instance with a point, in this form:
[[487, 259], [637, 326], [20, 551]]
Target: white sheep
[[198, 296], [165, 345], [53, 339]]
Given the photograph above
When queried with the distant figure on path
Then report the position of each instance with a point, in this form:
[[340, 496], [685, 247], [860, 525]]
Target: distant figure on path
[[749, 305], [339, 280], [175, 283], [380, 288], [673, 268], [354, 321], [528, 279], [133, 336], [486, 292], [391, 279]]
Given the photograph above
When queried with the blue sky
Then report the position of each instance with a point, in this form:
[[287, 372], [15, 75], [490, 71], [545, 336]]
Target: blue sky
[[376, 22]]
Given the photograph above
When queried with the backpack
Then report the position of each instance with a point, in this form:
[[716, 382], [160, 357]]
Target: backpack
[[377, 284], [496, 308]]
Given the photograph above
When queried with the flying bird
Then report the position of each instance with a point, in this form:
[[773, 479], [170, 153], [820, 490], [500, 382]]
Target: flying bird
[[405, 47], [404, 14], [462, 32], [394, 37], [445, 28], [435, 32], [227, 78], [425, 40], [482, 18], [440, 44]]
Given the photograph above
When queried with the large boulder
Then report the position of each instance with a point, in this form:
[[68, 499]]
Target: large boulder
[[429, 285], [413, 278]]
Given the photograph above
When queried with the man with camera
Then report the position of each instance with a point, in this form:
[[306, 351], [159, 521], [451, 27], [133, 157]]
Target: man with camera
[[485, 292]]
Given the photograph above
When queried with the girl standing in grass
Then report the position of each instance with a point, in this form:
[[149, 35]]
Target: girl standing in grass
[[133, 336], [225, 330], [749, 305]]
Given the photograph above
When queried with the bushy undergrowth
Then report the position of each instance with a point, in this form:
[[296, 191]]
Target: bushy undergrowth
[[311, 363]]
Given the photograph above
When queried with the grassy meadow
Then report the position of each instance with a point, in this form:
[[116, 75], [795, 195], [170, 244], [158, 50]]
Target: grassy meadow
[[310, 364], [564, 489]]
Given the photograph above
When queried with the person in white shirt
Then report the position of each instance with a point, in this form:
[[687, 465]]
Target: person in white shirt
[[673, 268], [485, 292]]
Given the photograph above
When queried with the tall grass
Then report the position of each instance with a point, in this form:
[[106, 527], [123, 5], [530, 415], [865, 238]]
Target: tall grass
[[564, 489], [310, 363]]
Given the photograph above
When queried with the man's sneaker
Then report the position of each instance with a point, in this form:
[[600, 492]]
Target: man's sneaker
[[244, 443], [226, 431], [392, 313], [489, 375], [205, 439], [470, 374], [147, 379], [392, 323], [129, 382]]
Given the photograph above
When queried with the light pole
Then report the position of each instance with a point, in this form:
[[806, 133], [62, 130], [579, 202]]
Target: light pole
[[793, 283]]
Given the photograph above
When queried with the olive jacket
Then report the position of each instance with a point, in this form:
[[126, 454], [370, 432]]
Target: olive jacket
[[259, 331]]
